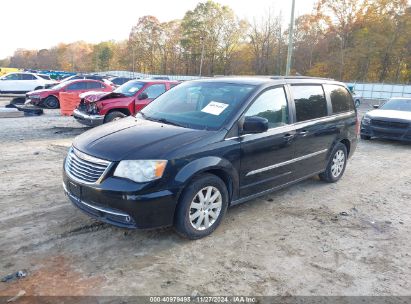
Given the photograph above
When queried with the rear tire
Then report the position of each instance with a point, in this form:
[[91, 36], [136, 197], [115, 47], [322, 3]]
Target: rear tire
[[51, 102], [115, 115], [201, 207], [336, 165], [365, 137]]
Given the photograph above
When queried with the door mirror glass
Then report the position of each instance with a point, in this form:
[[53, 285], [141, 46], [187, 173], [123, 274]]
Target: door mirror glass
[[254, 124], [142, 96]]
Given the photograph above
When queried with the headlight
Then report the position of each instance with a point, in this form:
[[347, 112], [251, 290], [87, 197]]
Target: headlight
[[141, 171], [92, 108], [366, 120]]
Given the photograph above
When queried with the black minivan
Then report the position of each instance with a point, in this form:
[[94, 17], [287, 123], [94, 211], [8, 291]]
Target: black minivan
[[208, 144]]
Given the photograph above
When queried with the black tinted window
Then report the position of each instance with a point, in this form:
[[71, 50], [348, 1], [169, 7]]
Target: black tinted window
[[341, 100], [271, 105], [310, 102]]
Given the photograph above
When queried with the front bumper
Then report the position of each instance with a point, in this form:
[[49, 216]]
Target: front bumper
[[88, 119], [401, 134], [33, 101], [122, 203]]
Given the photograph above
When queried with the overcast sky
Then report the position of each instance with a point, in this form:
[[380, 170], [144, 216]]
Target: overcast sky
[[36, 24]]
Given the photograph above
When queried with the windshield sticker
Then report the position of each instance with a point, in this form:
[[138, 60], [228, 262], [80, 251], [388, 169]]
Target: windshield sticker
[[214, 108], [133, 90]]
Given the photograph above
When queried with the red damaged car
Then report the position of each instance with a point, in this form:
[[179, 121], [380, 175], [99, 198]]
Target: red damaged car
[[50, 97], [128, 99]]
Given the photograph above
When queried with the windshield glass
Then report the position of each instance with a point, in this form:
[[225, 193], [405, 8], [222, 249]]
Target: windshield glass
[[129, 88], [397, 105], [198, 105]]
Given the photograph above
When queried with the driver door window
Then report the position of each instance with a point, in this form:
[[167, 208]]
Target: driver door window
[[271, 105], [78, 86], [155, 90]]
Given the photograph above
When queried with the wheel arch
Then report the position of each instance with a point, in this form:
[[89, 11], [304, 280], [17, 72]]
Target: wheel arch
[[217, 166], [347, 145], [125, 111]]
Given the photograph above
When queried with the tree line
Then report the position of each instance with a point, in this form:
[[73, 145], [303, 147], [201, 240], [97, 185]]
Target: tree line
[[349, 40]]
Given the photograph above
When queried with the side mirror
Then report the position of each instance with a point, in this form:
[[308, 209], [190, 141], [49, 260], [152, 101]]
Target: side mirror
[[376, 106], [254, 124], [142, 96]]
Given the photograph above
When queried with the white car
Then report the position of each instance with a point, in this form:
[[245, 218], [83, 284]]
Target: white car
[[19, 83]]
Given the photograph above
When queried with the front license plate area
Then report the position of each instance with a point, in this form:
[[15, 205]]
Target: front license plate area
[[75, 190]]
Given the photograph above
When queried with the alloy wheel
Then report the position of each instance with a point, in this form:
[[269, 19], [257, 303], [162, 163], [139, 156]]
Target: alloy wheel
[[205, 208], [338, 163]]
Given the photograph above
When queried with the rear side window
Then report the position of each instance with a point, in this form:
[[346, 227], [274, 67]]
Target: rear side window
[[310, 102], [28, 77], [271, 105], [341, 100], [94, 85]]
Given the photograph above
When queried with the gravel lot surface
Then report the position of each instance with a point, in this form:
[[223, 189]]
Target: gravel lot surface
[[348, 238]]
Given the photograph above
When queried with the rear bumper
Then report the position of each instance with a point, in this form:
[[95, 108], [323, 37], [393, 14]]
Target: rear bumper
[[87, 119], [386, 133], [120, 203]]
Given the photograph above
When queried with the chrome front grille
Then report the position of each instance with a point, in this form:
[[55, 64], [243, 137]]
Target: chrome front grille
[[85, 168]]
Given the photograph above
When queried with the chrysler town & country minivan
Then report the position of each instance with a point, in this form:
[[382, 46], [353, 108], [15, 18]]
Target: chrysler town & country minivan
[[209, 144]]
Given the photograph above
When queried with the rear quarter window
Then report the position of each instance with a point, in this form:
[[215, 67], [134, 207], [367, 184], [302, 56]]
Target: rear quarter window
[[310, 102], [341, 100]]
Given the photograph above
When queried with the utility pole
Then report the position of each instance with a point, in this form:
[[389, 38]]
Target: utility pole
[[290, 41], [202, 55], [134, 62]]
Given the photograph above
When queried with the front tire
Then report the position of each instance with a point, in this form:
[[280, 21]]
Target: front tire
[[51, 102], [201, 207], [365, 137], [115, 115], [336, 165]]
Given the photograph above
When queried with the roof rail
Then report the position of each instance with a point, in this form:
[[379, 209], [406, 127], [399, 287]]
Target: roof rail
[[299, 77]]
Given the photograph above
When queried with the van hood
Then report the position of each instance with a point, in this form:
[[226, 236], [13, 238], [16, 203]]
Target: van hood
[[132, 138]]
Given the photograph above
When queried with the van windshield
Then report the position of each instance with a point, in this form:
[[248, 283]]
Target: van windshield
[[198, 105]]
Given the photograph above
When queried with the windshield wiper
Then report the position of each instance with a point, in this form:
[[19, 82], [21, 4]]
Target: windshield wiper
[[166, 121], [162, 120]]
